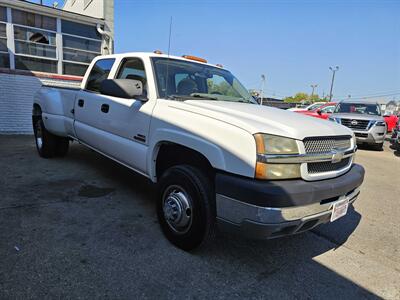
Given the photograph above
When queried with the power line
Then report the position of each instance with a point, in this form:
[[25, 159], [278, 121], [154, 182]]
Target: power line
[[370, 97]]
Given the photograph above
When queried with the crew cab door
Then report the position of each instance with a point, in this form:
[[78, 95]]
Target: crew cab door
[[118, 127]]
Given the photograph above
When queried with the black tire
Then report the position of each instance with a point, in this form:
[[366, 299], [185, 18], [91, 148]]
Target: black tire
[[48, 145], [176, 184], [378, 147]]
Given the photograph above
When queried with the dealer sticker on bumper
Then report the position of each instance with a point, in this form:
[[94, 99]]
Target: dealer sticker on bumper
[[339, 209]]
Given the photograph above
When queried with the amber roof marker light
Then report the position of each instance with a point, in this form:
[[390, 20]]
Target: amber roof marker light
[[157, 52], [191, 57]]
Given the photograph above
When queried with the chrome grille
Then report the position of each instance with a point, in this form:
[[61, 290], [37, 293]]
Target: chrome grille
[[327, 166], [355, 124], [326, 144]]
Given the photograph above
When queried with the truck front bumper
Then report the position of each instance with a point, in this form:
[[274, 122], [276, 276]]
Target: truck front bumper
[[269, 209]]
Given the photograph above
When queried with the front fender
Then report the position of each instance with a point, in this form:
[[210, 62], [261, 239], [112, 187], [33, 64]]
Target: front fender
[[212, 152]]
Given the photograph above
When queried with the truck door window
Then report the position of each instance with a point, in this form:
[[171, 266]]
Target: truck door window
[[99, 72], [133, 68]]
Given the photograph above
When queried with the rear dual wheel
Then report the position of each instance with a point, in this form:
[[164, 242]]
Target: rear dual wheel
[[48, 145]]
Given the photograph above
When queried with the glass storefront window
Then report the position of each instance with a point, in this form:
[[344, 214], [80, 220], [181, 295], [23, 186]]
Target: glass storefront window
[[33, 20], [74, 69], [35, 64], [3, 14], [35, 49], [81, 43], [4, 60], [80, 29]]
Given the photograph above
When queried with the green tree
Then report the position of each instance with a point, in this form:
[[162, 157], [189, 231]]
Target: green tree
[[304, 97], [299, 97]]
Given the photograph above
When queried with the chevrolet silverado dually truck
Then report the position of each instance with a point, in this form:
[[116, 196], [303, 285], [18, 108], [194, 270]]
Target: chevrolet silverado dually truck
[[218, 158]]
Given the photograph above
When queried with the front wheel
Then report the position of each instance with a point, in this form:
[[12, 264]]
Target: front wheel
[[186, 207], [378, 147]]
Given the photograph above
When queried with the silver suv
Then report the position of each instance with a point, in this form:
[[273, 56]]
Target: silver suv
[[364, 118]]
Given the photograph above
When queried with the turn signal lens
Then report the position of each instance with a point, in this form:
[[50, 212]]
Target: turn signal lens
[[277, 171], [267, 144]]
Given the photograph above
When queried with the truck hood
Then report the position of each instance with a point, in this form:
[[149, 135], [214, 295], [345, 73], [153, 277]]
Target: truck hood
[[263, 119], [357, 116]]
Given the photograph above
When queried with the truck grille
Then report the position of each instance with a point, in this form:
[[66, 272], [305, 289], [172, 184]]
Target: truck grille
[[326, 144], [355, 124], [327, 166]]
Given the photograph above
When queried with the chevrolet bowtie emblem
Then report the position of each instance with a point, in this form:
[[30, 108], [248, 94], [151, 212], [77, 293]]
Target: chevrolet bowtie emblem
[[337, 156]]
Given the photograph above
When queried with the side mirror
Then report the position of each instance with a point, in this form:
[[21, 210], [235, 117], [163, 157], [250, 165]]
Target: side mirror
[[123, 88], [319, 112]]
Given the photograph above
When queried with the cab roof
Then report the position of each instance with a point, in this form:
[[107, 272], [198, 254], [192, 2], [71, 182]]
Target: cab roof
[[152, 54]]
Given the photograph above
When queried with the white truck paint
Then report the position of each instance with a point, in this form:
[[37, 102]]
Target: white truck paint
[[220, 130]]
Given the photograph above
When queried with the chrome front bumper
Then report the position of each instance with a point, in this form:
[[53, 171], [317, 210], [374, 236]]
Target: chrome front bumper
[[271, 222]]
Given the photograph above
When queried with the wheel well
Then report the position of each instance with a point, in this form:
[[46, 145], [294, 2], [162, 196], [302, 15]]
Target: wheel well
[[170, 154], [36, 111]]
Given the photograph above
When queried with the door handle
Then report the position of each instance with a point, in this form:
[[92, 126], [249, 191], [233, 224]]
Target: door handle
[[105, 108], [81, 103]]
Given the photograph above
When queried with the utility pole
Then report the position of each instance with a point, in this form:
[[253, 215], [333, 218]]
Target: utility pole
[[313, 86], [262, 88], [334, 70]]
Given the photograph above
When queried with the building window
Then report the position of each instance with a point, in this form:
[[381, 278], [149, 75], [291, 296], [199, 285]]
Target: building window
[[81, 43], [80, 29], [34, 42], [35, 64], [74, 69], [4, 57], [33, 20], [3, 14]]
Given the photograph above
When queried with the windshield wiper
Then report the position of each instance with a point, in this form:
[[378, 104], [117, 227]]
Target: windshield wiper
[[189, 97], [197, 95]]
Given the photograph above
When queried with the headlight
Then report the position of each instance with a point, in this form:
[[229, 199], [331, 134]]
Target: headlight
[[272, 144], [380, 123], [275, 145]]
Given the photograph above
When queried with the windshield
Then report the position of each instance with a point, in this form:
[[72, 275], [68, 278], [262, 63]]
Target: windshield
[[358, 108], [314, 106], [183, 80]]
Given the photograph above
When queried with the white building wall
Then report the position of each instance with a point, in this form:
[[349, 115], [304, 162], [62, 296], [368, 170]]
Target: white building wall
[[16, 98], [93, 8]]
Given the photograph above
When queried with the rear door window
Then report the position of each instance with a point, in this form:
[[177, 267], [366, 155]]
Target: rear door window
[[99, 72]]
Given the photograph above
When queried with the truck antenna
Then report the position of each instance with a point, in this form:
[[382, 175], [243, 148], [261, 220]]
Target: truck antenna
[[169, 48], [169, 38]]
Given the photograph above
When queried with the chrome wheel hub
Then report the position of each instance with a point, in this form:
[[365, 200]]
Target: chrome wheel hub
[[39, 135], [177, 209]]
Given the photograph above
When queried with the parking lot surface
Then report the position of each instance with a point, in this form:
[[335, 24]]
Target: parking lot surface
[[84, 227]]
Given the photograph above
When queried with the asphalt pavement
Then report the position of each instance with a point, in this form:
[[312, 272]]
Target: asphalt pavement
[[85, 227]]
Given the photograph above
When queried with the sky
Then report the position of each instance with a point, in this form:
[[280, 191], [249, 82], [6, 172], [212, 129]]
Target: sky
[[292, 42]]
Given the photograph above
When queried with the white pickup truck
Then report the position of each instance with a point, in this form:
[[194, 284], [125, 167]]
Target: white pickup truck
[[219, 159]]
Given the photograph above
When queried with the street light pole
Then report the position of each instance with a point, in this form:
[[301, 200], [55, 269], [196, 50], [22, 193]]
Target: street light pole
[[333, 79], [262, 88], [313, 86]]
